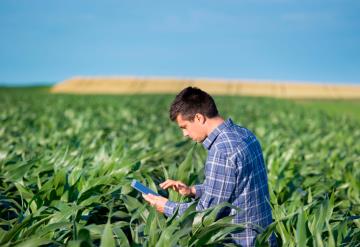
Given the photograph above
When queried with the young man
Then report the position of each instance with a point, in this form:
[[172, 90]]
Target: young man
[[234, 169]]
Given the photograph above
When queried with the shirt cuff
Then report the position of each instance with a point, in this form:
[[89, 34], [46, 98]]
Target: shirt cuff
[[169, 208], [199, 188]]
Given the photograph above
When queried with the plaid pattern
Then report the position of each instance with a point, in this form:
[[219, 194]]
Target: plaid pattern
[[234, 172]]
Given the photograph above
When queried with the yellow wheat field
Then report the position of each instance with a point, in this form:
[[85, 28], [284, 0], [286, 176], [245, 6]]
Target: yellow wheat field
[[143, 85]]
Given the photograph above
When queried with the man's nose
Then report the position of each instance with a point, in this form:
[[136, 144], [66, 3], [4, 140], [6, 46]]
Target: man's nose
[[185, 133]]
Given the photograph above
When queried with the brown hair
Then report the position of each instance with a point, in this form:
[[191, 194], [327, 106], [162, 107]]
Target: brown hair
[[190, 101]]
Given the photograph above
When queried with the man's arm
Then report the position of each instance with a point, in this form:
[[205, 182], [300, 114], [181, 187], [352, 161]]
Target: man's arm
[[220, 174], [220, 180], [179, 187], [163, 205], [183, 189], [167, 207], [218, 187], [170, 207]]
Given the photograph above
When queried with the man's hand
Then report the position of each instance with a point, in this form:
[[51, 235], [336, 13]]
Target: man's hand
[[157, 201], [179, 187]]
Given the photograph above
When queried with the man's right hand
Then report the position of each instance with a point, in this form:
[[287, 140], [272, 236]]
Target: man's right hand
[[179, 187]]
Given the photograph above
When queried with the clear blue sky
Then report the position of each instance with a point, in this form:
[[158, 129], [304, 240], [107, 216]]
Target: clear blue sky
[[49, 41]]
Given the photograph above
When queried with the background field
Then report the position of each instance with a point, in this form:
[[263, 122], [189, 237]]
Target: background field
[[149, 85], [66, 162], [350, 108]]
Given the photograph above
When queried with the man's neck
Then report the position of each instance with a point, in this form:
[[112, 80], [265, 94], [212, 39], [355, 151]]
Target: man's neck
[[213, 123]]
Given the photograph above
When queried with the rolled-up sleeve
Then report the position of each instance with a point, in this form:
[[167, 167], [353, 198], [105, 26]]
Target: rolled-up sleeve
[[170, 208], [199, 189]]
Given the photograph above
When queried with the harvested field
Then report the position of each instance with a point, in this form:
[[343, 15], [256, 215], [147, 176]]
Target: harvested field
[[142, 85]]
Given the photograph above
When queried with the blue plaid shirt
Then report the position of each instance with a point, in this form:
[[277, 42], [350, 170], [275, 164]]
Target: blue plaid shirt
[[234, 172]]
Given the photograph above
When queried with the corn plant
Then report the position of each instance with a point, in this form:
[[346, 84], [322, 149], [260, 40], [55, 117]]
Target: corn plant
[[67, 161]]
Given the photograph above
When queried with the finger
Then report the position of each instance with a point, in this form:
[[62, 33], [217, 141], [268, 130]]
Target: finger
[[167, 180], [175, 183], [161, 184], [166, 183], [180, 185]]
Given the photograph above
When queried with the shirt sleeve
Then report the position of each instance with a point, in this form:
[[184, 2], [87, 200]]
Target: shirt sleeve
[[170, 208], [199, 189], [220, 179]]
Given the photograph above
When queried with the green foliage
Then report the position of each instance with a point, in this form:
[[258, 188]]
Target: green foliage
[[339, 107], [66, 163]]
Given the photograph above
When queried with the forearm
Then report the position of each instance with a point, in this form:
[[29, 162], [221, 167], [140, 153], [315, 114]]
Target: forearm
[[171, 207]]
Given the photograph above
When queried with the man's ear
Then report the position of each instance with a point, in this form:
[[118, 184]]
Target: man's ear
[[200, 118]]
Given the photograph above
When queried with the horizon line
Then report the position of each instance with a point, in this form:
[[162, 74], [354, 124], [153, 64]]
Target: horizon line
[[185, 78]]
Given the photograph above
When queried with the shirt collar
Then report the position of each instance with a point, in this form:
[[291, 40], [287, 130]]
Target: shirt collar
[[212, 136]]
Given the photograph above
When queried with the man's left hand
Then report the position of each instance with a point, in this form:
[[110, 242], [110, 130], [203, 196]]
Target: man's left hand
[[157, 201]]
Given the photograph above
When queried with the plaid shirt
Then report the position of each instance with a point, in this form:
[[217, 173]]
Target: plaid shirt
[[234, 172]]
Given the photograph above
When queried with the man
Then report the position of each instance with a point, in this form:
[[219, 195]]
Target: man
[[234, 169]]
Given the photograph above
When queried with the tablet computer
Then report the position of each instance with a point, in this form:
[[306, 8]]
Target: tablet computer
[[142, 188]]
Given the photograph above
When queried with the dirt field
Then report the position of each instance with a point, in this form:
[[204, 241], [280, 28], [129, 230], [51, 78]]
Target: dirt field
[[142, 85]]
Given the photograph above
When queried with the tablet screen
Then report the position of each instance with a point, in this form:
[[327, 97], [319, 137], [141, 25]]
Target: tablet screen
[[142, 188]]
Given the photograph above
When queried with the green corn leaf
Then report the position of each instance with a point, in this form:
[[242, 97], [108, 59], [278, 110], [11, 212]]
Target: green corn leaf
[[331, 240], [121, 237], [185, 167], [107, 238], [166, 236], [34, 241], [301, 229]]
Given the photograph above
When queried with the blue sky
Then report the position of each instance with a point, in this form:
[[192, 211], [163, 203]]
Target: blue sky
[[49, 41]]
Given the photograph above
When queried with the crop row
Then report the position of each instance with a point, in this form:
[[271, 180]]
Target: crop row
[[66, 163]]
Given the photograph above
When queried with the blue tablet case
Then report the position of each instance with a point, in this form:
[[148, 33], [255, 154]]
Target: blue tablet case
[[142, 188]]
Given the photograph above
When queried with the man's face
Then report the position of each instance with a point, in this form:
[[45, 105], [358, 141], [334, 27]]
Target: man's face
[[193, 129]]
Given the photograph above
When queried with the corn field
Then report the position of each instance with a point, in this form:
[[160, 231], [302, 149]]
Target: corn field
[[67, 162]]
